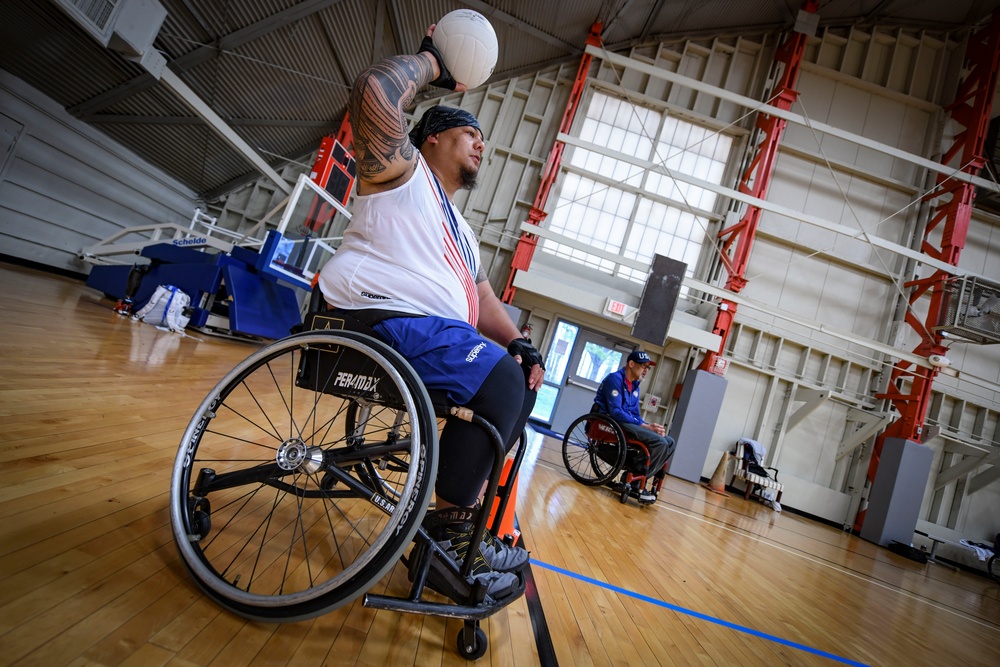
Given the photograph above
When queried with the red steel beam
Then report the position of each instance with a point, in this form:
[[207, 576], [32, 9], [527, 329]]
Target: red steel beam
[[909, 388], [738, 239], [344, 135], [525, 249]]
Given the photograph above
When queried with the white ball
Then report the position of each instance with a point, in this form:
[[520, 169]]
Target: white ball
[[468, 46]]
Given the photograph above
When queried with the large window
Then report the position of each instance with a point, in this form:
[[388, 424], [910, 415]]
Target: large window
[[634, 207]]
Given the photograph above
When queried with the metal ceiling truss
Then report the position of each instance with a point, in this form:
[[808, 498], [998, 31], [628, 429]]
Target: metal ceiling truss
[[200, 56]]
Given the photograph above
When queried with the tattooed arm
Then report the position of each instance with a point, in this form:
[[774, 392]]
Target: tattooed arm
[[384, 153], [380, 94]]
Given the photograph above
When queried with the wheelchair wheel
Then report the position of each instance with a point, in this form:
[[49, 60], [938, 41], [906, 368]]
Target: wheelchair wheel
[[594, 449], [303, 476], [993, 567]]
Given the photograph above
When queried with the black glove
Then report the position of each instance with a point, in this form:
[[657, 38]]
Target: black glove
[[529, 355], [445, 80]]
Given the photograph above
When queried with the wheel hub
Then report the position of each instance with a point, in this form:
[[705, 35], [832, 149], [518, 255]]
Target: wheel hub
[[293, 454]]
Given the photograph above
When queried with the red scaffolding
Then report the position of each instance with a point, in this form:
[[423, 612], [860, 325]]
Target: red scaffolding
[[738, 239], [909, 387], [525, 249]]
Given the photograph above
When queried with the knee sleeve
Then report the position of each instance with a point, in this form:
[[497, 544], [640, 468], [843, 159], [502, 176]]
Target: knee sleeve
[[466, 451]]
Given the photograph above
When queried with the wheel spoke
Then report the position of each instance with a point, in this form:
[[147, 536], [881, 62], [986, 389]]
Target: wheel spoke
[[346, 494]]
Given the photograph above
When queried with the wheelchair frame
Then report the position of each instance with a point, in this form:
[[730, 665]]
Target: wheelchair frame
[[279, 516], [595, 449]]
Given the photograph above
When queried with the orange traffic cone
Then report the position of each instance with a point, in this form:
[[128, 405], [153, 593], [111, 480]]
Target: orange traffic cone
[[718, 482]]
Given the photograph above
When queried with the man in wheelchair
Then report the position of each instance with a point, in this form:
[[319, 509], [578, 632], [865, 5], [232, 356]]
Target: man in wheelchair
[[618, 397], [409, 267]]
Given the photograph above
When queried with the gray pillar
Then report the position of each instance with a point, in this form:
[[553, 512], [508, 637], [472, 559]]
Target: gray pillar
[[896, 494], [694, 422]]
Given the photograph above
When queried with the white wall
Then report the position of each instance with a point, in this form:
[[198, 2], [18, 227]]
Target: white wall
[[828, 279], [65, 186]]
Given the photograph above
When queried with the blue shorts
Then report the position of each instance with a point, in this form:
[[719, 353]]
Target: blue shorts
[[448, 355]]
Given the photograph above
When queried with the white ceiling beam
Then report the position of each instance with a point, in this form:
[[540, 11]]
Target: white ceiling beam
[[219, 126], [203, 54], [491, 12], [756, 105]]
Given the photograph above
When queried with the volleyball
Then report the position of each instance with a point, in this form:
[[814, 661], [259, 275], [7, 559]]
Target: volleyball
[[468, 46]]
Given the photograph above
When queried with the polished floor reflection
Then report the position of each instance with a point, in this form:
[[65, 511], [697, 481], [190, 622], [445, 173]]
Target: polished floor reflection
[[92, 408]]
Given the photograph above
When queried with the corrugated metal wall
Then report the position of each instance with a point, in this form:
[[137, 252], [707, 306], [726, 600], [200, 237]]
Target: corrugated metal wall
[[66, 186]]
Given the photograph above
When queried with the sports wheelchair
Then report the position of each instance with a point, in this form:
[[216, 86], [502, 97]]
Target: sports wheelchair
[[595, 450], [304, 476]]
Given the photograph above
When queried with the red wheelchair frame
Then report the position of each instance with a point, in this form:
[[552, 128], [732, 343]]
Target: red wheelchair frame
[[596, 450]]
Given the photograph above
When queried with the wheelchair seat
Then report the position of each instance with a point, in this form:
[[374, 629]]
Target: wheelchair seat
[[596, 449]]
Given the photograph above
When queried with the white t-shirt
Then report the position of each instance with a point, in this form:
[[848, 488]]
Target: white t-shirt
[[406, 249]]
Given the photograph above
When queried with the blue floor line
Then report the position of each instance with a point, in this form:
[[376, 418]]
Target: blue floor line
[[695, 614]]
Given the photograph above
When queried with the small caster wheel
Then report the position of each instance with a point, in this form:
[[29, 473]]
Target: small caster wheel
[[624, 495], [200, 519], [328, 482], [478, 648]]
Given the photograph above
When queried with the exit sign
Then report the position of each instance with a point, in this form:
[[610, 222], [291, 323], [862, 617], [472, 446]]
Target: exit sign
[[615, 307]]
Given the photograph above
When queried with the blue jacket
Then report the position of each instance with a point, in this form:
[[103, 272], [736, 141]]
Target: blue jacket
[[613, 398]]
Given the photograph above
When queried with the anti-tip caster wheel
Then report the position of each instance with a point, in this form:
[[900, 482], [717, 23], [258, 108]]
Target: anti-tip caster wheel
[[478, 647]]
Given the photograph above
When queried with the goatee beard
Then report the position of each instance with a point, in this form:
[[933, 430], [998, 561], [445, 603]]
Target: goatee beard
[[467, 178]]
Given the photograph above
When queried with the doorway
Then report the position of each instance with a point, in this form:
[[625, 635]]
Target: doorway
[[577, 360]]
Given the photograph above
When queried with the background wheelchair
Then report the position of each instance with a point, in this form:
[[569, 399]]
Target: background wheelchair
[[303, 477], [595, 450]]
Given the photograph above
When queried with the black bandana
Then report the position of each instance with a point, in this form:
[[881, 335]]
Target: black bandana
[[438, 119]]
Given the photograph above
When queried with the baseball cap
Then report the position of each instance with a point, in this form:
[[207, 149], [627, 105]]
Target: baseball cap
[[641, 357]]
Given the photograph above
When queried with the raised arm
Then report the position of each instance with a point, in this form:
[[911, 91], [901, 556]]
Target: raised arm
[[384, 153], [380, 94]]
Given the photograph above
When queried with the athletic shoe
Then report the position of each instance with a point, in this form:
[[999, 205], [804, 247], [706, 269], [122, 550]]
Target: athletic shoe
[[502, 557], [646, 496], [452, 530]]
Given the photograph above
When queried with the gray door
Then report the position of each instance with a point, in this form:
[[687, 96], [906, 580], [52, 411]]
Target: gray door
[[576, 362]]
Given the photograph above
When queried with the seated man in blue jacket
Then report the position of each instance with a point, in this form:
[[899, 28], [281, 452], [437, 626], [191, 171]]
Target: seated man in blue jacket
[[618, 396]]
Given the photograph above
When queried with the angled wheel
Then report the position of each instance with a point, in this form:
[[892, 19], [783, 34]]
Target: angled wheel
[[304, 475], [593, 449], [994, 568]]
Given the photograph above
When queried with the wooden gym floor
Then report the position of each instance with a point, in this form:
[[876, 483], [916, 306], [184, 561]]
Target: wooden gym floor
[[92, 407]]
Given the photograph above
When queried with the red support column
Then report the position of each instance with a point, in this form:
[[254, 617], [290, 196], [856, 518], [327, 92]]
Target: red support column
[[909, 388], [344, 134], [525, 249], [755, 181]]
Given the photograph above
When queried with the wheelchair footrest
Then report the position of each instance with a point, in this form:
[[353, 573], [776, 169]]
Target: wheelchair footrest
[[428, 566], [466, 612]]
